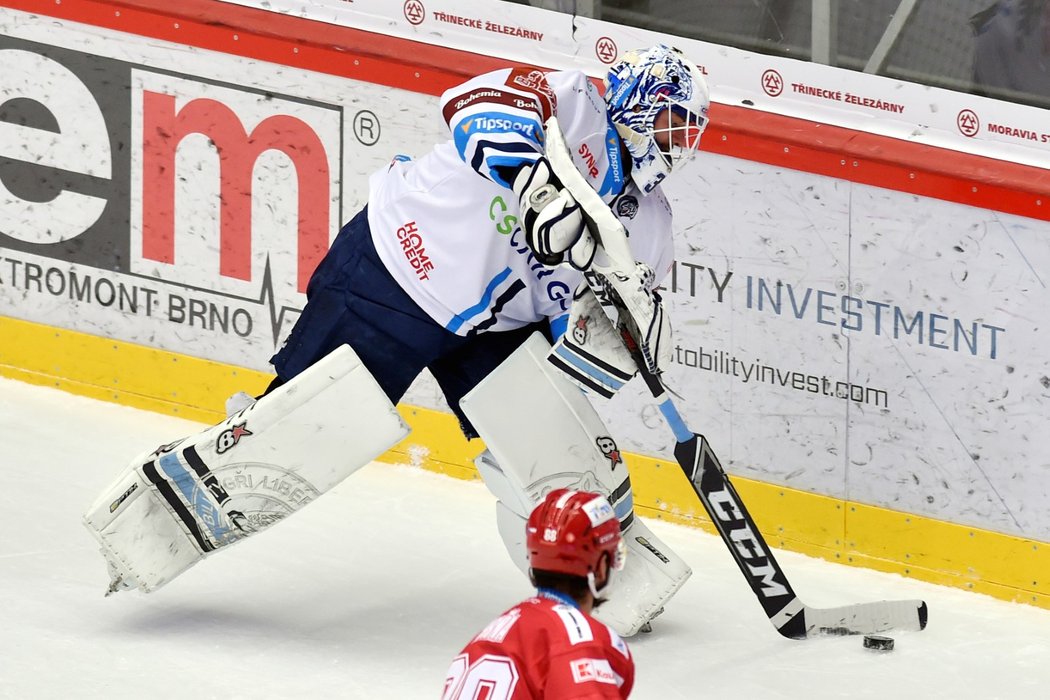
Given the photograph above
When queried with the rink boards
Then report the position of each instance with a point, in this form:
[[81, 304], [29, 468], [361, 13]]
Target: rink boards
[[837, 530], [857, 316]]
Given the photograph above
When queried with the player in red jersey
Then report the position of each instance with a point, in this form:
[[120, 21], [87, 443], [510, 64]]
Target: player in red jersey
[[549, 646]]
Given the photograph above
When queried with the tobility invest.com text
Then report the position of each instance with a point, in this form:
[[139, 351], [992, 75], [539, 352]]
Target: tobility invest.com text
[[755, 372]]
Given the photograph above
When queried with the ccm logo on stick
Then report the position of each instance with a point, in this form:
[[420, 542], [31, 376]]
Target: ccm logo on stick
[[746, 544]]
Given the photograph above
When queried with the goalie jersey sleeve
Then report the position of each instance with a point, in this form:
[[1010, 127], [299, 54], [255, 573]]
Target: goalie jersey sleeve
[[496, 121], [446, 224], [542, 648]]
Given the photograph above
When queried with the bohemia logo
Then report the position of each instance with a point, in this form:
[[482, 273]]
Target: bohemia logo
[[772, 83], [968, 122], [414, 11], [605, 49], [147, 177]]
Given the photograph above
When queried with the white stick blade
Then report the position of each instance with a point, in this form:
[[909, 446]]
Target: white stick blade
[[867, 618]]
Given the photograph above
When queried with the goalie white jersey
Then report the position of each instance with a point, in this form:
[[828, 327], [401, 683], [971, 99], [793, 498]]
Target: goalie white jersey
[[496, 121]]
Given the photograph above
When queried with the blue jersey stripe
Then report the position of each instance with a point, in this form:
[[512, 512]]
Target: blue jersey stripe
[[486, 300], [497, 154], [510, 164], [509, 293], [558, 326]]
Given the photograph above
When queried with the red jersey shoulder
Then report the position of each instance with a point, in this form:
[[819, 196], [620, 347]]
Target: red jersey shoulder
[[543, 648], [584, 655], [567, 623]]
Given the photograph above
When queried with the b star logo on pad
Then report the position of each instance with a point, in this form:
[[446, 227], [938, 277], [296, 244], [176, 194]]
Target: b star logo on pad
[[229, 438], [579, 330]]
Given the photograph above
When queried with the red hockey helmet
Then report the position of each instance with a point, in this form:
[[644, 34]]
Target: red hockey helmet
[[570, 531]]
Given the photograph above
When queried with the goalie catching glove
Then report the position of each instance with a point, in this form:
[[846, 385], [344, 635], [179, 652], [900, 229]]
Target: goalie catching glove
[[593, 354], [551, 218]]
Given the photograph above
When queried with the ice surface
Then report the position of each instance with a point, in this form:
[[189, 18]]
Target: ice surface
[[370, 592]]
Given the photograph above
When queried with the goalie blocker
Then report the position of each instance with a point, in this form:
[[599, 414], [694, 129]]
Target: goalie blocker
[[176, 505], [550, 437]]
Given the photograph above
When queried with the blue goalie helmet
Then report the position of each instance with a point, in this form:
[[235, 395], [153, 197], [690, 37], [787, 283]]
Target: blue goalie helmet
[[658, 102]]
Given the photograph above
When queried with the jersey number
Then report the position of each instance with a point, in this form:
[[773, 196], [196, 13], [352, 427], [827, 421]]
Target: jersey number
[[491, 677]]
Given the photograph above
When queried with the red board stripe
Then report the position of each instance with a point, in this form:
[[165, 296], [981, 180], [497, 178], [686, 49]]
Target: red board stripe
[[735, 131]]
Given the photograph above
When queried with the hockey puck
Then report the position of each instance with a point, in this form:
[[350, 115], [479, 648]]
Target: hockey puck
[[878, 642]]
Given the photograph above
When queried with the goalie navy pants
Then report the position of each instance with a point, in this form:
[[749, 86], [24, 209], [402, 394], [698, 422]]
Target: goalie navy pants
[[352, 299]]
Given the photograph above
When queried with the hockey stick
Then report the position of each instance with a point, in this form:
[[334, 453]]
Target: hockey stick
[[791, 617]]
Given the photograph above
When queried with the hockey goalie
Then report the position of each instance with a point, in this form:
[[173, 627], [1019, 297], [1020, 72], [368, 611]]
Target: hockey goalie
[[469, 262]]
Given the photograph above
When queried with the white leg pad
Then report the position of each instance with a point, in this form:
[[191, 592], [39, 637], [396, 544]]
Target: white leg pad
[[508, 493], [177, 504], [547, 437], [511, 528], [543, 434], [651, 575]]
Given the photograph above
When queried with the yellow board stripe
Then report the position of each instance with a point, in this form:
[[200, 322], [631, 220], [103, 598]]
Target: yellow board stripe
[[1000, 565]]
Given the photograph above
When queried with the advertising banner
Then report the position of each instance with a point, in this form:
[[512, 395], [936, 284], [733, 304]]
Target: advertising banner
[[174, 197], [851, 99], [862, 343]]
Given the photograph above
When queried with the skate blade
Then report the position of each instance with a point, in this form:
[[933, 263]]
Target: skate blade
[[119, 581]]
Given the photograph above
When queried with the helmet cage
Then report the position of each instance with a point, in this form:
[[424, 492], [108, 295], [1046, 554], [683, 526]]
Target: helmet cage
[[680, 130]]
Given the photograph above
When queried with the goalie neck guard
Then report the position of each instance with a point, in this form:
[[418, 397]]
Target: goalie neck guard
[[638, 88]]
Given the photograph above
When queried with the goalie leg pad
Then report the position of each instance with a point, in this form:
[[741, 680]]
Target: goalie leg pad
[[177, 504], [548, 437], [551, 437], [511, 528], [651, 575], [507, 493]]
